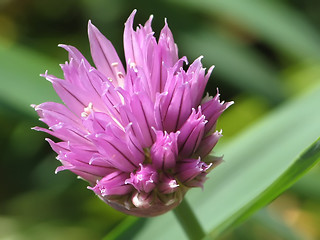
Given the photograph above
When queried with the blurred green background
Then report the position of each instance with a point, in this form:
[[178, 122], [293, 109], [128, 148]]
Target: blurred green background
[[266, 53]]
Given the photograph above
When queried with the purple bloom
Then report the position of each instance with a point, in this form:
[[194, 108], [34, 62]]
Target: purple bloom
[[142, 136]]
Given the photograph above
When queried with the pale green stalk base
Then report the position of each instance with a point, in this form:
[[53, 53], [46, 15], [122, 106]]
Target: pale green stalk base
[[188, 221]]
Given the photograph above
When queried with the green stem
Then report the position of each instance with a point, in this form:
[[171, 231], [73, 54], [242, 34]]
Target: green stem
[[188, 221]]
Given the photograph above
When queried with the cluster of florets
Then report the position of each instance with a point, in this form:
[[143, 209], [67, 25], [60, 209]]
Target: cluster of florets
[[142, 136]]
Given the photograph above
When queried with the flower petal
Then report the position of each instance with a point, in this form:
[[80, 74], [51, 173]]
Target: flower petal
[[112, 184], [144, 179], [75, 55], [212, 109], [207, 144], [192, 172], [167, 184], [131, 45], [105, 56], [115, 148], [164, 151], [169, 50], [191, 133]]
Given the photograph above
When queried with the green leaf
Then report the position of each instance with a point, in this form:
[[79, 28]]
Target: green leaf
[[274, 22], [308, 186], [308, 159], [126, 229], [265, 225], [259, 165], [21, 84]]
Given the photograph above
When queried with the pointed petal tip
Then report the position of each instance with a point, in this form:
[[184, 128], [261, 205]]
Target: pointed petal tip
[[33, 106], [92, 30], [90, 23], [62, 168], [65, 47], [228, 104], [45, 74], [91, 27], [130, 18], [154, 130], [49, 140], [40, 129]]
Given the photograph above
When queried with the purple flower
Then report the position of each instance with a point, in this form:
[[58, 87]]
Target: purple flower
[[140, 134]]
